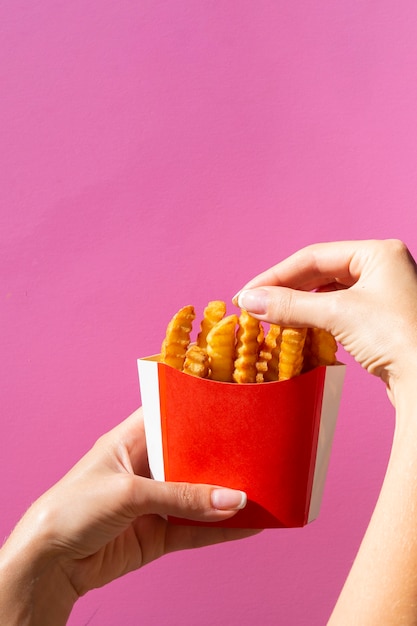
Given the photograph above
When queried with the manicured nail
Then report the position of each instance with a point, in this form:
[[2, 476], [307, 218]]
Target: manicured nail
[[228, 499], [253, 300]]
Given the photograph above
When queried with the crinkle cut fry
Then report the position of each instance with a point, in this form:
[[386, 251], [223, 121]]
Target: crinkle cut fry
[[322, 348], [268, 360], [248, 339], [291, 353], [196, 362], [177, 337], [213, 313], [248, 355], [221, 342]]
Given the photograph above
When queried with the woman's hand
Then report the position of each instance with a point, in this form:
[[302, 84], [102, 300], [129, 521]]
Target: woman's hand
[[363, 292], [104, 519]]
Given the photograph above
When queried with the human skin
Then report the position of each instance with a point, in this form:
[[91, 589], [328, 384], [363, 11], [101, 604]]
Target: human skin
[[104, 518], [365, 294], [101, 520]]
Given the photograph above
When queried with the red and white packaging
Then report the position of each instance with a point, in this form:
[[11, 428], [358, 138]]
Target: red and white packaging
[[272, 440]]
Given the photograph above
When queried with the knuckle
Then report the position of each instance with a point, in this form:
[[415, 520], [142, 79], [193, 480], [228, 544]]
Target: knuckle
[[128, 489], [187, 497], [396, 247]]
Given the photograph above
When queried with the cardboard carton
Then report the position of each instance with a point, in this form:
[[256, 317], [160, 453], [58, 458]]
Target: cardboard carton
[[272, 440]]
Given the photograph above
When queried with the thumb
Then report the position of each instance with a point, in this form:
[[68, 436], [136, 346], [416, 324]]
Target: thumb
[[289, 307], [189, 501]]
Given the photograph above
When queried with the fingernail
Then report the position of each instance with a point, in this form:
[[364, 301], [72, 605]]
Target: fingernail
[[228, 499], [253, 301]]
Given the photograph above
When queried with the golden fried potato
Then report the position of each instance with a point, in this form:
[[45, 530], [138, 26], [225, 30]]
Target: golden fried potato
[[248, 340], [291, 353], [320, 348], [268, 359], [236, 349], [177, 337], [213, 313], [221, 342], [196, 362]]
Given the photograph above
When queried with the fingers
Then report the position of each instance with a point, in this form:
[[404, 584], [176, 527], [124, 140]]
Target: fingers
[[283, 294], [185, 537], [315, 266], [355, 290], [141, 495], [127, 443], [282, 305], [174, 537], [133, 436], [310, 288], [194, 502], [185, 500]]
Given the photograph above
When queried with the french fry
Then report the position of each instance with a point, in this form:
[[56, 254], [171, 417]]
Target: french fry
[[248, 339], [320, 348], [177, 337], [291, 353], [236, 349], [221, 348], [268, 360], [213, 313], [196, 362]]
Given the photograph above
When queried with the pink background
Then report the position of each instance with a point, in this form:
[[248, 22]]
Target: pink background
[[157, 153]]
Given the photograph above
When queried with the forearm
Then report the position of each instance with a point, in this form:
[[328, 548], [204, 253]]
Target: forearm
[[382, 585], [34, 590]]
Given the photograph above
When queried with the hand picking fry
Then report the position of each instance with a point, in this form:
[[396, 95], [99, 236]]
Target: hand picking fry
[[177, 337], [249, 337], [291, 353], [221, 342], [196, 362], [213, 313]]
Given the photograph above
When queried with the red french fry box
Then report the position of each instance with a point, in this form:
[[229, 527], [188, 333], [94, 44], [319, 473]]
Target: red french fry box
[[272, 440]]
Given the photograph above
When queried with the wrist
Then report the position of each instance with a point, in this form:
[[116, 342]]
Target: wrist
[[381, 586], [400, 379], [34, 590]]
